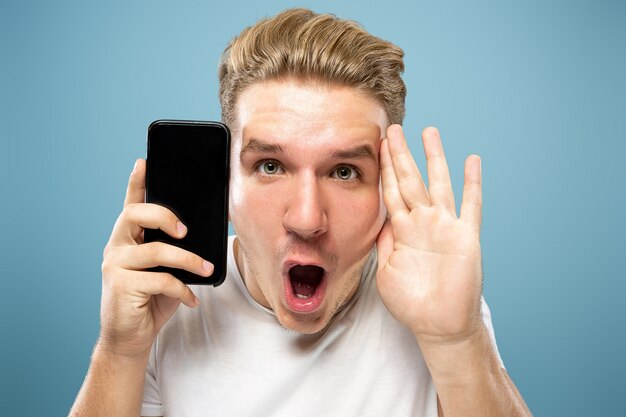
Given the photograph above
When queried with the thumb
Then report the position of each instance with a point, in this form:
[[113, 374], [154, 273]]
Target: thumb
[[384, 244], [136, 191]]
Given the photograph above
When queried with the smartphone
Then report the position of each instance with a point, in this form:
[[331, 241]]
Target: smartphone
[[187, 171]]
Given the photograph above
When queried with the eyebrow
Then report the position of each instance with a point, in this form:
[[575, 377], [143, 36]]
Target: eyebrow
[[358, 152], [257, 146]]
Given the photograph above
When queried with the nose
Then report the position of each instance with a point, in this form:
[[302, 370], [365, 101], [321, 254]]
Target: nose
[[305, 214]]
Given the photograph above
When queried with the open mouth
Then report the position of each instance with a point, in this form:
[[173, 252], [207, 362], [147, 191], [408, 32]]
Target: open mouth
[[305, 279], [305, 286]]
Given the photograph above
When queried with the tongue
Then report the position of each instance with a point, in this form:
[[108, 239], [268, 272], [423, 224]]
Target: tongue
[[305, 279], [303, 289]]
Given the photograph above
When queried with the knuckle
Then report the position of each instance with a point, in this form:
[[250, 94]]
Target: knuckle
[[171, 216], [165, 282], [165, 217], [127, 210], [106, 251], [130, 211], [105, 267], [135, 212], [170, 219], [124, 217], [108, 260], [180, 290], [164, 212]]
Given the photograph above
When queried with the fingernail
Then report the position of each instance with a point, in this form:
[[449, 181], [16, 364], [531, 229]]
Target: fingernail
[[181, 228], [135, 166], [196, 299], [207, 266]]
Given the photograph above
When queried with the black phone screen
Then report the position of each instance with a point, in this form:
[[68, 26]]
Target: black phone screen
[[187, 172]]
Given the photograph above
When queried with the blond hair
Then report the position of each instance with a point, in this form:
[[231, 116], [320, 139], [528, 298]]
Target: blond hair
[[302, 45]]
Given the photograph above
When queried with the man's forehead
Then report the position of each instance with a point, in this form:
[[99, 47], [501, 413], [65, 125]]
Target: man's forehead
[[278, 109], [279, 130]]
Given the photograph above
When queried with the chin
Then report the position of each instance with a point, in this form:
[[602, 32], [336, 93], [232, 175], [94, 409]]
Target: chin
[[302, 324]]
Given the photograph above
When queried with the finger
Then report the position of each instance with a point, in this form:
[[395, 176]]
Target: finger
[[136, 191], [410, 180], [137, 217], [384, 244], [439, 185], [154, 283], [471, 206], [153, 254], [391, 192]]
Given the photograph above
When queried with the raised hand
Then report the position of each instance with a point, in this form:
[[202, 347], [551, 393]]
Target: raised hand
[[430, 273]]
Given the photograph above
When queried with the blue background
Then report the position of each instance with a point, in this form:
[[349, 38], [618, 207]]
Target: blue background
[[537, 88]]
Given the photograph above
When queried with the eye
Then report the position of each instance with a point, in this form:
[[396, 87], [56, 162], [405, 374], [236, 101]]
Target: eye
[[345, 173], [269, 168]]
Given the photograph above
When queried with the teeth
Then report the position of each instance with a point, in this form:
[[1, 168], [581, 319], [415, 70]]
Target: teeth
[[302, 296]]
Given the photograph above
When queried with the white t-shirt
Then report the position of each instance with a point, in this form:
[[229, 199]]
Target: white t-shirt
[[230, 357]]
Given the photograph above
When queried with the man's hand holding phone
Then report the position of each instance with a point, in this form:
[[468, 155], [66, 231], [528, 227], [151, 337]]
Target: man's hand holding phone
[[137, 303], [171, 233]]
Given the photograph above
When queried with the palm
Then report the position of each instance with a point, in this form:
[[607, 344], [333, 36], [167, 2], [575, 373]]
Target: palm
[[141, 318], [429, 274]]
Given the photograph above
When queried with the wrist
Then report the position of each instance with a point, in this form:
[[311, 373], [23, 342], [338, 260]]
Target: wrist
[[113, 386], [109, 353], [466, 357]]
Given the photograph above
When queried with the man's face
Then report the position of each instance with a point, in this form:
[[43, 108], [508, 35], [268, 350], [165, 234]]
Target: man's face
[[305, 200]]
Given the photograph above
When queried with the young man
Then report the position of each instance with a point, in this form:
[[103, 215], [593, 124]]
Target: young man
[[346, 295]]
